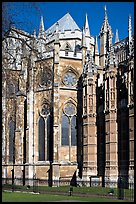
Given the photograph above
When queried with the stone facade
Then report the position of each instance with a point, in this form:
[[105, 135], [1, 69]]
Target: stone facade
[[67, 110]]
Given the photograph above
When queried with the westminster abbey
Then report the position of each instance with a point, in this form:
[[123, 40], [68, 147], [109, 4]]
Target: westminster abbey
[[68, 105]]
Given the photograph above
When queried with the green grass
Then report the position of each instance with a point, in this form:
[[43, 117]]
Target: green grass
[[28, 197], [65, 189]]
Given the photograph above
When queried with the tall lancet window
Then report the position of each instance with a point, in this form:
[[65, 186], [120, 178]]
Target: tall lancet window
[[49, 137], [65, 130], [45, 134], [11, 140], [68, 130], [73, 131], [41, 141]]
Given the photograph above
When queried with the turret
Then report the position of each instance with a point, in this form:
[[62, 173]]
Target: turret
[[105, 39]]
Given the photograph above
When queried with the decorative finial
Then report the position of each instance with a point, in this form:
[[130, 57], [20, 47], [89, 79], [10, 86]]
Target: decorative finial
[[34, 33], [105, 9], [117, 36]]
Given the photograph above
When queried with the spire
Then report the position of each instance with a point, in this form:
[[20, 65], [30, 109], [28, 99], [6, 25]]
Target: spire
[[105, 26], [130, 35], [130, 28], [41, 29], [83, 38], [86, 27], [105, 15], [117, 36], [41, 24], [96, 46]]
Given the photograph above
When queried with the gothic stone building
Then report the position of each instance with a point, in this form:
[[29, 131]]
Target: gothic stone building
[[67, 109]]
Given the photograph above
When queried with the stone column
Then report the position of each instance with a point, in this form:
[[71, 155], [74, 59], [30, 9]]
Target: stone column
[[56, 99], [89, 130], [30, 116], [111, 168]]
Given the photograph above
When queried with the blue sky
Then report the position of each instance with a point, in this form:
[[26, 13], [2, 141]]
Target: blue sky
[[28, 18]]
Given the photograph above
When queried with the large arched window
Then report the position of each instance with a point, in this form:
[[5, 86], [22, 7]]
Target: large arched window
[[11, 140], [69, 132], [45, 134], [41, 142]]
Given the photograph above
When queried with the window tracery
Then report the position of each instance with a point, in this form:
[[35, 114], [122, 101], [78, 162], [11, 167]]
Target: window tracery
[[70, 79]]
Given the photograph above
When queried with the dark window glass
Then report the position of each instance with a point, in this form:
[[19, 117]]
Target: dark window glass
[[73, 131], [65, 130], [48, 136], [11, 140], [41, 142]]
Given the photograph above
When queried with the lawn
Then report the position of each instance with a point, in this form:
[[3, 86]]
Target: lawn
[[29, 197]]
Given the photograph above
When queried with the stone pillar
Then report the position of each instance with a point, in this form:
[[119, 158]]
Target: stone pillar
[[89, 129], [30, 116], [56, 99], [19, 132], [111, 167]]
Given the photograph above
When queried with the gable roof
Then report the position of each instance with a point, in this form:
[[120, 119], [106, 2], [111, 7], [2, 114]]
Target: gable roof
[[65, 23]]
